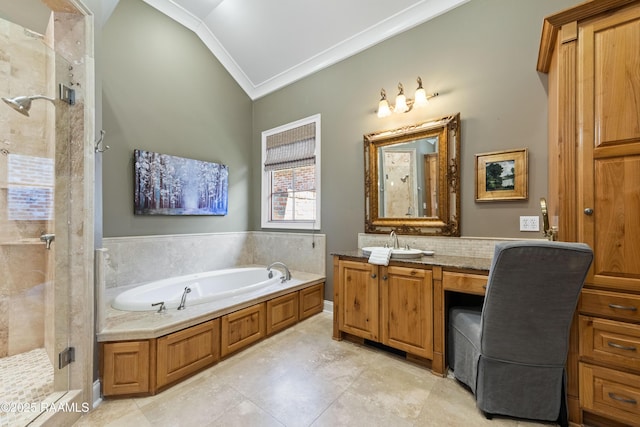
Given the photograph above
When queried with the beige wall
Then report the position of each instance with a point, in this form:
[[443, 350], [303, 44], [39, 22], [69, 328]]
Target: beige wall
[[480, 57], [164, 91]]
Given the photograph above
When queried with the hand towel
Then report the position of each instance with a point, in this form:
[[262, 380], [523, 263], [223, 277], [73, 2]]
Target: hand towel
[[380, 256]]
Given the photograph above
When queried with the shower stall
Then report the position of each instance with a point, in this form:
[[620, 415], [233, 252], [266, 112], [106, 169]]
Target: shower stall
[[34, 213]]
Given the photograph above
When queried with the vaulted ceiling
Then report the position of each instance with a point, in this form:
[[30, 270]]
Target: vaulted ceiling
[[268, 44]]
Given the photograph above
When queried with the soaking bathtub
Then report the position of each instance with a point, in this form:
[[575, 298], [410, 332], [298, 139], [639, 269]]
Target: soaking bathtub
[[204, 287]]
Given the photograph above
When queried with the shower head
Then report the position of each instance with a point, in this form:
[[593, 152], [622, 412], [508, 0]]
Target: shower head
[[22, 104]]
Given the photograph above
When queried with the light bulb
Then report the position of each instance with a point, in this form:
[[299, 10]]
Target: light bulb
[[383, 108]]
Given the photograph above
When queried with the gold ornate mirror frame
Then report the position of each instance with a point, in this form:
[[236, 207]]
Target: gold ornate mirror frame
[[445, 219]]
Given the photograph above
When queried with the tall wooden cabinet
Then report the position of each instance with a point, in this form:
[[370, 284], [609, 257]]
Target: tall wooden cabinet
[[592, 55]]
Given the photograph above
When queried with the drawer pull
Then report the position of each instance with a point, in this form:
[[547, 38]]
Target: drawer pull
[[623, 399], [621, 347], [623, 307]]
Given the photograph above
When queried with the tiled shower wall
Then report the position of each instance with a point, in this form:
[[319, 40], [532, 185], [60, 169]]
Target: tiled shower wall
[[25, 69]]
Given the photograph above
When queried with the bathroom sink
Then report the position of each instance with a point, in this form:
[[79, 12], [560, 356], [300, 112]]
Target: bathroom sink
[[396, 253]]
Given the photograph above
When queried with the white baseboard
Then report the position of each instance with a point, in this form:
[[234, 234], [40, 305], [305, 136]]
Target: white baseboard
[[328, 306], [97, 398]]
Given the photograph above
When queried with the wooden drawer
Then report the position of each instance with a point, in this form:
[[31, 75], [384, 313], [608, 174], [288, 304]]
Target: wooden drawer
[[311, 300], [610, 304], [184, 352], [282, 312], [611, 393], [242, 327], [464, 282], [610, 342]]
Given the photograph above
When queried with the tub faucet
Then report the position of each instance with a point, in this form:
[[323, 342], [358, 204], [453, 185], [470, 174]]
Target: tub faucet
[[184, 297], [287, 273], [394, 236]]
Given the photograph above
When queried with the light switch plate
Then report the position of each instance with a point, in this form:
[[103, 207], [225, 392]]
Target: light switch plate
[[529, 223]]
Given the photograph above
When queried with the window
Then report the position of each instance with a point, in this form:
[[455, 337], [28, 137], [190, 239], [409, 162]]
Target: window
[[291, 175]]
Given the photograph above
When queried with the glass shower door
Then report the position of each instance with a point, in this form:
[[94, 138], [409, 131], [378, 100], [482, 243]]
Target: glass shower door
[[34, 299]]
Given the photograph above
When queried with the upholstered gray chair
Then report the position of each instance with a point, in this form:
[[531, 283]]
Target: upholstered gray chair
[[512, 352]]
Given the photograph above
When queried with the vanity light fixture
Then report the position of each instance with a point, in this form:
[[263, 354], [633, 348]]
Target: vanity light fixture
[[404, 104]]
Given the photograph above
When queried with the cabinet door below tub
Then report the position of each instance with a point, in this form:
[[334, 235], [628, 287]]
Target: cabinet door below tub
[[184, 352], [243, 327], [125, 368]]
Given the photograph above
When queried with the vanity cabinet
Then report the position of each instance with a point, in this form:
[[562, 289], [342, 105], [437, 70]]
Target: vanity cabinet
[[591, 53], [392, 305]]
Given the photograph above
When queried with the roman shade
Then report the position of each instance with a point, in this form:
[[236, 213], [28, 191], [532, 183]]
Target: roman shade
[[291, 149]]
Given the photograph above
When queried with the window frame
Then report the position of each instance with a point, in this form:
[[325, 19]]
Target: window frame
[[265, 200]]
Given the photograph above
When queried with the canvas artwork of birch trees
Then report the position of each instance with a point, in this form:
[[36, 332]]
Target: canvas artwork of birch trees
[[170, 185]]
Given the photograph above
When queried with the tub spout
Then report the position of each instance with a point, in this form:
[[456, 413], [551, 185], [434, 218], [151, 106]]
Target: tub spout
[[287, 273], [184, 297]]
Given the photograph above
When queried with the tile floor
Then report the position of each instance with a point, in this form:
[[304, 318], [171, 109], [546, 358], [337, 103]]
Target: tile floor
[[301, 377], [24, 378]]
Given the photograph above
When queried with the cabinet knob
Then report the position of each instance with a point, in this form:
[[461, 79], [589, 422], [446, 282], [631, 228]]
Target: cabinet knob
[[588, 211], [374, 275], [384, 277]]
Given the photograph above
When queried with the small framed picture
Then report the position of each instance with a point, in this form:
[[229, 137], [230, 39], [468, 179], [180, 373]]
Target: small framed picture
[[502, 175]]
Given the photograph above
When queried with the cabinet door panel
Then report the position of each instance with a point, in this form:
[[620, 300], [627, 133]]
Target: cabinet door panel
[[617, 104], [407, 310], [125, 368], [311, 300], [185, 352], [617, 227], [609, 151], [282, 312], [359, 299], [242, 327]]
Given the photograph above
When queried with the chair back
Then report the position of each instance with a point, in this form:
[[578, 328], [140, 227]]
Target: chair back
[[532, 293]]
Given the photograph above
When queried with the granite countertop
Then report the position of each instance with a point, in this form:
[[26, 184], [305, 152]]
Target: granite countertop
[[451, 261], [138, 325]]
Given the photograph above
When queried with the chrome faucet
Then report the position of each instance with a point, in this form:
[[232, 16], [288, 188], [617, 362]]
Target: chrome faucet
[[394, 236], [287, 273], [47, 239], [184, 297]]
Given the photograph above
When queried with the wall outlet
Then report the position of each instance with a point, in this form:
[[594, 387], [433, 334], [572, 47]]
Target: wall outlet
[[529, 223]]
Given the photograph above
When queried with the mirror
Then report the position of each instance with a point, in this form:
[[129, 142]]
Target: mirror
[[412, 179]]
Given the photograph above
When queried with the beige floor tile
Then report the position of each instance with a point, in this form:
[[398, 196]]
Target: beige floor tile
[[302, 377], [297, 398], [115, 413], [355, 410], [197, 405], [246, 414]]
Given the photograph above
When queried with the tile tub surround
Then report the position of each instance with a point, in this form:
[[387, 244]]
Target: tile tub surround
[[134, 260], [138, 259], [475, 247], [131, 325]]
